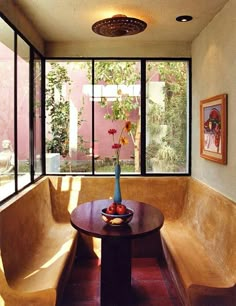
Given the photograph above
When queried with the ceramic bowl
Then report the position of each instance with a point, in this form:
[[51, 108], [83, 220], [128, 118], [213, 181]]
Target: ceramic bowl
[[117, 220]]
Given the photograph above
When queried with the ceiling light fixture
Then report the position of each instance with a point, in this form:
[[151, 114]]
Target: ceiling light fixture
[[184, 18], [119, 25]]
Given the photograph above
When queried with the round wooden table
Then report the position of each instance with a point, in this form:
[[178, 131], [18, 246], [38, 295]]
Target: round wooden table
[[116, 243]]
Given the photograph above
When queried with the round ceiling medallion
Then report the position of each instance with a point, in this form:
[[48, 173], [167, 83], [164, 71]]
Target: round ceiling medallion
[[119, 25]]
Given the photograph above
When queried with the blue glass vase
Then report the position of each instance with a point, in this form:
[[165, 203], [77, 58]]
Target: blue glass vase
[[117, 192]]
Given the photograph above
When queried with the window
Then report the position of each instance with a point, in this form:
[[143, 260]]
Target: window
[[37, 114], [84, 99], [23, 106], [20, 89], [116, 101], [167, 117], [7, 119], [68, 117]]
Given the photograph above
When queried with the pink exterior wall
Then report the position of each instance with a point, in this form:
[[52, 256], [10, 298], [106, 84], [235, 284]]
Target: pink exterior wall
[[103, 141], [7, 101], [6, 94], [23, 108]]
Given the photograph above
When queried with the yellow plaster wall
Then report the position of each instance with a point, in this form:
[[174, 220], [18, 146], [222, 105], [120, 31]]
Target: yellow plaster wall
[[11, 11], [213, 73]]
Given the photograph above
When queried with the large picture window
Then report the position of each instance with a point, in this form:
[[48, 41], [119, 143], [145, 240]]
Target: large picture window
[[86, 100]]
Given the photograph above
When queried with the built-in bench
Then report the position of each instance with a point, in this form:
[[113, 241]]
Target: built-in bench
[[200, 247], [37, 248], [198, 237], [166, 193]]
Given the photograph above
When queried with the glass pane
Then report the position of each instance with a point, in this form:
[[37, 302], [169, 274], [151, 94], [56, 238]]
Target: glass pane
[[117, 115], [167, 117], [23, 58], [68, 117], [37, 115], [7, 176]]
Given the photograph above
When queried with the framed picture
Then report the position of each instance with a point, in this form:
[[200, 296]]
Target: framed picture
[[213, 128]]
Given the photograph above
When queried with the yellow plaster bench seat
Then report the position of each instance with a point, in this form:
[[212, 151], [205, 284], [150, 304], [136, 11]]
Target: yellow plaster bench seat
[[200, 248], [198, 236], [38, 246], [38, 243]]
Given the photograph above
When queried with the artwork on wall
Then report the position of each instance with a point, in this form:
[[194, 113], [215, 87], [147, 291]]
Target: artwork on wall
[[213, 127]]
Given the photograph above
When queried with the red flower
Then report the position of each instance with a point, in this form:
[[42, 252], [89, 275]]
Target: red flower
[[122, 140], [112, 131], [116, 146]]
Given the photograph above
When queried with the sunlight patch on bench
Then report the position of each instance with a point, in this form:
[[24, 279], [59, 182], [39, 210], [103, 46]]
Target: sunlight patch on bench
[[64, 249]]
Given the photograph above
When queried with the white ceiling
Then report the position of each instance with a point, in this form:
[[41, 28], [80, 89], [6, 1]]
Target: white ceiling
[[71, 20]]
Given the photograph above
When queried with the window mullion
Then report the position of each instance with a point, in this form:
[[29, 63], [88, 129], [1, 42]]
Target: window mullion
[[93, 117], [31, 114], [143, 117], [15, 114]]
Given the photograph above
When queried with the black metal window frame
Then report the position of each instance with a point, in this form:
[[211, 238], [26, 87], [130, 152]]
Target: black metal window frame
[[33, 51], [143, 62]]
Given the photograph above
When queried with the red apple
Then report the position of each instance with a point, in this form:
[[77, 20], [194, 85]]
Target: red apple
[[121, 209], [111, 210]]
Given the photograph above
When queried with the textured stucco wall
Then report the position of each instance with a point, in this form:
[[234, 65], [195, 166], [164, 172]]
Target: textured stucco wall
[[10, 10], [213, 73], [119, 49]]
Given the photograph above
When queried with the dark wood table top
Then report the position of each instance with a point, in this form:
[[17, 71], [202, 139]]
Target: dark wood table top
[[87, 219]]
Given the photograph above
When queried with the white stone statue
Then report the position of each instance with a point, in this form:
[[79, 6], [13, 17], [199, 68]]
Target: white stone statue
[[6, 157]]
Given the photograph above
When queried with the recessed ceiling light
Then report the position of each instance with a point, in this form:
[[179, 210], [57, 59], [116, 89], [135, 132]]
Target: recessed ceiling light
[[184, 18]]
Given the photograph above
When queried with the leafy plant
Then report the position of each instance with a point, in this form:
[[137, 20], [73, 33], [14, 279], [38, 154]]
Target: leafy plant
[[155, 116], [58, 108], [151, 152], [119, 73], [175, 77], [165, 159], [172, 115], [172, 147], [116, 73]]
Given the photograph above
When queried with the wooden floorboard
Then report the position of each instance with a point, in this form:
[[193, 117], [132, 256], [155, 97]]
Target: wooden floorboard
[[151, 284]]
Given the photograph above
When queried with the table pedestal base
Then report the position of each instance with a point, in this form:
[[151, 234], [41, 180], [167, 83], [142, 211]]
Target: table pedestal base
[[115, 271]]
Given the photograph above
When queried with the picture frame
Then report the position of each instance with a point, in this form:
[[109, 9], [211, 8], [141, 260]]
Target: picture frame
[[213, 125]]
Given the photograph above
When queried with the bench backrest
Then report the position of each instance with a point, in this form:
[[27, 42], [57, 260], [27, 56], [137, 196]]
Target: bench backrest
[[213, 218], [166, 193], [23, 223]]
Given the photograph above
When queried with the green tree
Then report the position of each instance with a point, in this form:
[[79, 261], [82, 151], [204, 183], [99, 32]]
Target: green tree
[[58, 108], [172, 151], [120, 73], [175, 76]]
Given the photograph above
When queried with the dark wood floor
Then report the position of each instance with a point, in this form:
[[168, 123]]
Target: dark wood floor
[[151, 284]]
